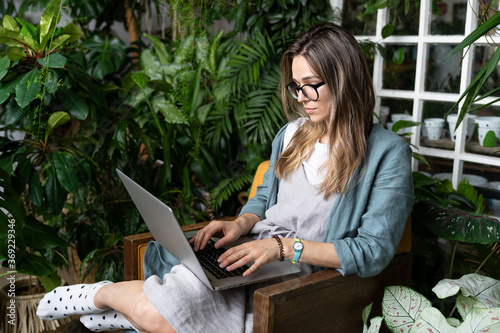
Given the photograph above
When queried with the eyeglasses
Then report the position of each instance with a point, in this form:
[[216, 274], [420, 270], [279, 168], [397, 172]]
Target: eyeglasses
[[310, 91]]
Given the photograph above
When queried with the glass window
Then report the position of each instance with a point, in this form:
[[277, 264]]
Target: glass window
[[405, 24], [354, 21], [400, 76], [481, 55], [448, 17], [442, 76]]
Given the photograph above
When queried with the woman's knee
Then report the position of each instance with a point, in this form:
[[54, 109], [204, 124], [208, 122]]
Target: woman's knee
[[151, 319]]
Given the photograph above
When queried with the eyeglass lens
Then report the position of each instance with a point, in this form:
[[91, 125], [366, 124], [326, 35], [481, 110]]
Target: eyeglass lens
[[309, 92]]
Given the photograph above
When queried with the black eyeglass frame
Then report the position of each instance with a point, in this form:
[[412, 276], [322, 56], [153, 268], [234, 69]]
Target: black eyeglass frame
[[292, 85]]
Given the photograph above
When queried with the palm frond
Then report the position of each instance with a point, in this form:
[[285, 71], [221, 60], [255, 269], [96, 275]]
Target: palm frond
[[229, 186]]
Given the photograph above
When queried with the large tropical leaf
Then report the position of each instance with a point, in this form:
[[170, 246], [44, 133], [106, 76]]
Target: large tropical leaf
[[66, 171], [10, 23], [4, 66], [35, 265], [28, 88], [48, 22], [38, 235], [75, 104], [55, 193], [401, 307], [431, 320], [455, 224], [483, 288], [16, 38]]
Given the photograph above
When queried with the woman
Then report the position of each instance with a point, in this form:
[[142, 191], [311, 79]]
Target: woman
[[338, 188]]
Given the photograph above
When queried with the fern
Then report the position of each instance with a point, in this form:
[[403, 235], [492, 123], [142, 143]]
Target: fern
[[227, 187]]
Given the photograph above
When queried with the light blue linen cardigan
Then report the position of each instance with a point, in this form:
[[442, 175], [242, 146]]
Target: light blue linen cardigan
[[366, 222]]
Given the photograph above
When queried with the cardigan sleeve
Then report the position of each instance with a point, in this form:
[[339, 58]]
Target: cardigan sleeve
[[373, 216]]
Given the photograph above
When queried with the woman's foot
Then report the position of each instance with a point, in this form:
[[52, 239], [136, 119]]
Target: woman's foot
[[106, 321], [65, 301]]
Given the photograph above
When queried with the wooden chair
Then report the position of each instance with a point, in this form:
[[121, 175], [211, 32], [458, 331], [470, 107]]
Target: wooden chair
[[324, 301]]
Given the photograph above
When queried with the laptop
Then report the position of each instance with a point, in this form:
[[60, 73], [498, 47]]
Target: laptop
[[167, 231]]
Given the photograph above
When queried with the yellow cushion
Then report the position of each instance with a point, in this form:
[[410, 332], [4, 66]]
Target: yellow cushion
[[258, 178]]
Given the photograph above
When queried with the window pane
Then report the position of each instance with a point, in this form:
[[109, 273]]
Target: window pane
[[477, 145], [353, 20], [435, 128], [394, 109], [448, 17], [442, 76], [405, 24], [400, 76], [481, 56]]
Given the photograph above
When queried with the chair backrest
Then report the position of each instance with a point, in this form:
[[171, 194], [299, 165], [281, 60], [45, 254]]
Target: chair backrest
[[404, 245]]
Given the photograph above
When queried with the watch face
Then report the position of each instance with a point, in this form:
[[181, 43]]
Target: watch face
[[298, 246]]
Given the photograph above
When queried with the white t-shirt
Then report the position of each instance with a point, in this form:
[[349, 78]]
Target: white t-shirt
[[317, 158]]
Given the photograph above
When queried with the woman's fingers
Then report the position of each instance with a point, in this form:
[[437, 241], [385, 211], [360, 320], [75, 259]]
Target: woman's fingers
[[259, 252]]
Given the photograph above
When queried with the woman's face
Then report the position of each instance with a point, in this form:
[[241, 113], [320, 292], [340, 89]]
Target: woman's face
[[302, 73]]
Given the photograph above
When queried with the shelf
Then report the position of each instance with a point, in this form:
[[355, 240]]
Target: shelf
[[470, 147]]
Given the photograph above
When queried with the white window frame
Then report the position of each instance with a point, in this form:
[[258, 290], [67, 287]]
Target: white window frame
[[458, 156]]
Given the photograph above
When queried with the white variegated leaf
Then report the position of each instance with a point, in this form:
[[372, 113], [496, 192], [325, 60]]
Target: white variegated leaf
[[432, 321], [401, 307], [481, 320], [483, 288]]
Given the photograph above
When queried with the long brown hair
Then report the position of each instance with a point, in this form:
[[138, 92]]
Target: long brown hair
[[335, 56]]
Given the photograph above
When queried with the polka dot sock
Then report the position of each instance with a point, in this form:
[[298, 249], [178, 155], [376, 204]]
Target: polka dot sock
[[106, 321], [70, 300]]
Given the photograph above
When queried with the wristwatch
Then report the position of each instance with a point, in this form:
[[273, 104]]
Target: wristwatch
[[297, 247]]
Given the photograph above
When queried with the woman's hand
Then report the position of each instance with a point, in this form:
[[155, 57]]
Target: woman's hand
[[261, 252], [230, 229]]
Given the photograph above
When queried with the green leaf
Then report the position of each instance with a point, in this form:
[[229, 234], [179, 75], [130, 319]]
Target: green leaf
[[35, 265], [120, 136], [401, 306], [28, 88], [54, 60], [55, 194], [73, 31], [387, 31], [4, 67], [141, 79], [16, 53], [171, 113], [28, 29], [7, 88], [66, 171], [50, 282], [13, 112], [48, 22], [57, 119], [455, 224], [483, 288], [491, 23], [58, 43], [75, 104], [35, 193], [399, 56], [160, 49], [38, 235], [10, 24], [16, 38]]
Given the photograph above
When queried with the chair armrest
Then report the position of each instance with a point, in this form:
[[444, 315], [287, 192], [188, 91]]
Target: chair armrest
[[325, 301]]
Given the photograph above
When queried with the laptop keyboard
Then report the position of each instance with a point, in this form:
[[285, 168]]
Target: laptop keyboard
[[208, 260]]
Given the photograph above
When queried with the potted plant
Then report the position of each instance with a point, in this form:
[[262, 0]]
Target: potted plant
[[27, 249], [442, 215]]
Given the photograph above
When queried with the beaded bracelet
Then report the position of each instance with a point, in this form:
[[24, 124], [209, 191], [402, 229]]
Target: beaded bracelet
[[280, 244]]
